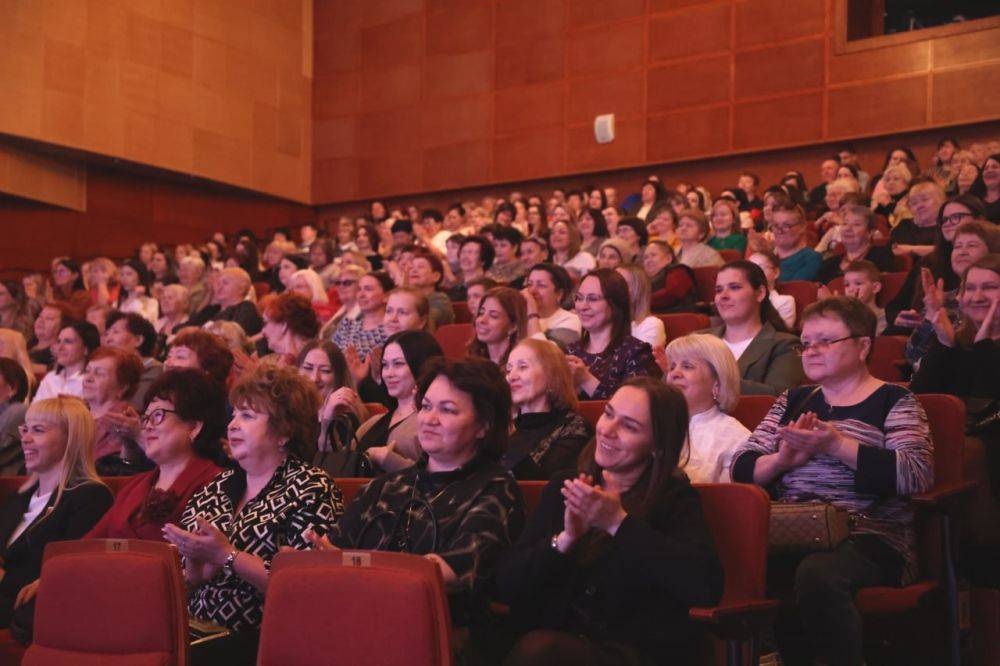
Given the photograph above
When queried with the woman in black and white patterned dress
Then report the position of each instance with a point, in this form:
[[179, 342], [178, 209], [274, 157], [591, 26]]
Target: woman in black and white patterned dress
[[232, 528], [855, 442]]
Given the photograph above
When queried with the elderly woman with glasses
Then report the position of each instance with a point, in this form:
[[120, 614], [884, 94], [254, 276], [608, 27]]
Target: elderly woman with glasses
[[858, 443], [798, 260]]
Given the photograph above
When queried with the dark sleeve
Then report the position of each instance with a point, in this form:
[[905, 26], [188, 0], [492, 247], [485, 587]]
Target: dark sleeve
[[532, 563], [317, 506], [881, 256], [904, 299], [345, 532], [946, 369], [563, 453], [488, 528], [744, 466], [784, 368], [677, 286], [876, 473], [88, 503], [677, 557], [245, 314]]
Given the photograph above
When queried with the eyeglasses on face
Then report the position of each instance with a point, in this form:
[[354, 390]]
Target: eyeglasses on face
[[155, 417], [820, 345], [783, 228], [589, 298]]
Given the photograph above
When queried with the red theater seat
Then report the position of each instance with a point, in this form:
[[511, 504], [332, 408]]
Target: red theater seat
[[751, 410], [104, 602], [591, 410], [803, 292], [462, 314], [454, 338], [363, 608], [680, 324], [738, 516]]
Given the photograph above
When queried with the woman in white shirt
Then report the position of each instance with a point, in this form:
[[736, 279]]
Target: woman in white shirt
[[565, 241], [136, 282], [783, 303], [645, 326], [703, 368], [71, 350], [545, 289]]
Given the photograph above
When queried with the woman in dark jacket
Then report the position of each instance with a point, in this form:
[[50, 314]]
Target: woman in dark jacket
[[612, 560], [62, 500], [548, 434]]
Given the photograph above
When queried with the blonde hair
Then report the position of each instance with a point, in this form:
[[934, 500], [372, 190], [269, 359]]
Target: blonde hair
[[232, 333], [241, 276], [639, 290], [14, 347], [713, 351], [315, 283], [559, 386], [70, 415], [420, 304], [184, 295]]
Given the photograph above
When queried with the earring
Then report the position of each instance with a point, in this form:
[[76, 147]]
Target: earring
[[715, 393]]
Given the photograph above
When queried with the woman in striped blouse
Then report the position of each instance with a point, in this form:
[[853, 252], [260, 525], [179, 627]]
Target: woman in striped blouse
[[857, 443]]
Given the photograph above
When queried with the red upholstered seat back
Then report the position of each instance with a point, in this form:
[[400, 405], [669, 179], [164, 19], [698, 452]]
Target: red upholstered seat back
[[454, 338], [680, 324], [738, 516], [704, 282], [462, 314], [751, 410], [123, 600], [946, 415], [351, 488], [591, 410], [393, 601], [803, 292]]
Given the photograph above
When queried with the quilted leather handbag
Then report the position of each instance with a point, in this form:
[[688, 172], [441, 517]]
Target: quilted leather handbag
[[806, 527]]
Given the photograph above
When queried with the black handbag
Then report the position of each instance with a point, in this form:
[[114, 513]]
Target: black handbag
[[341, 456]]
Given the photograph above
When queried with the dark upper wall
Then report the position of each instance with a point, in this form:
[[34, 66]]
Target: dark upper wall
[[422, 95]]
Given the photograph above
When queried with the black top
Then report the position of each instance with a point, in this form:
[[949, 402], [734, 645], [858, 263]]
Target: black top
[[880, 255], [42, 357], [545, 443], [634, 588], [993, 211], [466, 516], [908, 233], [78, 511], [243, 313], [968, 372]]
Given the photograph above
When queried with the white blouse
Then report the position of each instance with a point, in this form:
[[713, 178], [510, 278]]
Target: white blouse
[[714, 437], [650, 330]]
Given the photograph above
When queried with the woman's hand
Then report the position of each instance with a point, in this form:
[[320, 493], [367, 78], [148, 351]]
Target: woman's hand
[[985, 331], [595, 506], [582, 376], [358, 366], [661, 359], [26, 594], [125, 424], [943, 328], [379, 454], [908, 319], [809, 436], [933, 293], [206, 545], [340, 401], [319, 542]]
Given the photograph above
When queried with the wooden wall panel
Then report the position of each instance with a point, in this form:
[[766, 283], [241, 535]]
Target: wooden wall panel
[[171, 84], [685, 78]]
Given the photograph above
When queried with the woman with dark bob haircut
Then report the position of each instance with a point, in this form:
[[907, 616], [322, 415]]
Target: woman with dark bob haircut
[[617, 552], [232, 528], [182, 425], [456, 505]]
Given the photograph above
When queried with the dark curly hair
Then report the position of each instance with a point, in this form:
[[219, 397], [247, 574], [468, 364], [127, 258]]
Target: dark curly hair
[[197, 397], [214, 356]]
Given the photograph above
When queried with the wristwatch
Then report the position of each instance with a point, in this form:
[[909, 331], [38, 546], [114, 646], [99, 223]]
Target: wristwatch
[[229, 562]]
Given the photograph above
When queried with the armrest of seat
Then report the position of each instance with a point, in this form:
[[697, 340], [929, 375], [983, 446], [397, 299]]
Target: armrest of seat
[[944, 496], [738, 619]]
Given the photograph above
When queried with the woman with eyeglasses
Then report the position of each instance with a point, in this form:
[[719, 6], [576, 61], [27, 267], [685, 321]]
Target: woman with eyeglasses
[[231, 529], [754, 331], [62, 500], [858, 443], [181, 432], [607, 354]]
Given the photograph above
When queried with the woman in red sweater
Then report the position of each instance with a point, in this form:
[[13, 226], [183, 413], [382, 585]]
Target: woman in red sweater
[[672, 282], [181, 428]]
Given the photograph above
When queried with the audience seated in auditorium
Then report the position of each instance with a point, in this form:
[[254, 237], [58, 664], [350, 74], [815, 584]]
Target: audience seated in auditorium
[[365, 331], [110, 379], [703, 369], [645, 326], [857, 227], [754, 332], [692, 231], [726, 227], [548, 433], [915, 234], [613, 558], [858, 443], [783, 303], [181, 428], [133, 332], [195, 348], [606, 354], [231, 287], [232, 528], [62, 500]]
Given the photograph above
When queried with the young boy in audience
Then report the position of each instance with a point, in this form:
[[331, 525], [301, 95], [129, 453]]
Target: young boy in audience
[[863, 281]]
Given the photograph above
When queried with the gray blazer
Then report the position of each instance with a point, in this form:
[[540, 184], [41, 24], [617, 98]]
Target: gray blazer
[[770, 365], [11, 455]]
